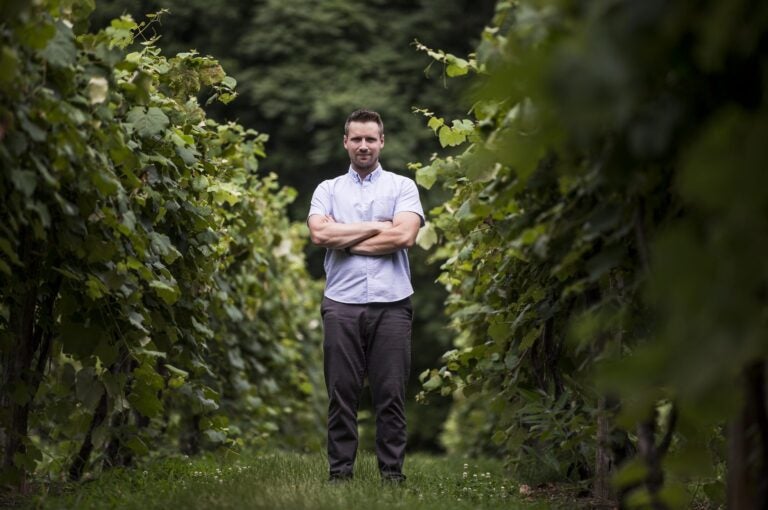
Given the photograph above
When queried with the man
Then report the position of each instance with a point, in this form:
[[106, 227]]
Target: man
[[367, 219]]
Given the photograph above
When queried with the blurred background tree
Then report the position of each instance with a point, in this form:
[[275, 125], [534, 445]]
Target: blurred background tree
[[302, 66]]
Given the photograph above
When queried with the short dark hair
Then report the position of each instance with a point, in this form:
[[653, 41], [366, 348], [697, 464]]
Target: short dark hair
[[364, 115]]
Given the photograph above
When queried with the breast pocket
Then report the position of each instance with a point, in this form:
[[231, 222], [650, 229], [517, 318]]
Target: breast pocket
[[383, 208]]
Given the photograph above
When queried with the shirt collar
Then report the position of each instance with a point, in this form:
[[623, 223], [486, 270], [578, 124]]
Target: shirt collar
[[370, 177]]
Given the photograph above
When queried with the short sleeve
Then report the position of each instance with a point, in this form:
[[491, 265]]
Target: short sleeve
[[321, 200], [408, 199]]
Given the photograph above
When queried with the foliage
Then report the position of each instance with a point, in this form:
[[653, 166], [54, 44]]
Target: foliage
[[602, 245], [304, 66], [152, 290]]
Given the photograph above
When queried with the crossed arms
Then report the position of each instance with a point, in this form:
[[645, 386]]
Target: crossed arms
[[366, 238]]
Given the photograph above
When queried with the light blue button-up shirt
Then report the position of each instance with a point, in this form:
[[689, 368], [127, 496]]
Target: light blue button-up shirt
[[359, 279]]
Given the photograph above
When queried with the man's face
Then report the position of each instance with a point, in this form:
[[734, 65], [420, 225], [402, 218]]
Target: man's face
[[363, 143]]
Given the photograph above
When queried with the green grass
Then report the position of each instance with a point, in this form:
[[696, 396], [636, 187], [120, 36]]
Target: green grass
[[291, 481]]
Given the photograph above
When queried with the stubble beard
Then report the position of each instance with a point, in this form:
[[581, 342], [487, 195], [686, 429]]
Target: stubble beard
[[365, 167]]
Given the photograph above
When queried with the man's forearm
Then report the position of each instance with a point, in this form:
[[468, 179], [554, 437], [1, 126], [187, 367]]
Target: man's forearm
[[384, 243], [337, 236]]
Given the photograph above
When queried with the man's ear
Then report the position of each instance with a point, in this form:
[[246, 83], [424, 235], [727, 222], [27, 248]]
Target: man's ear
[[382, 139]]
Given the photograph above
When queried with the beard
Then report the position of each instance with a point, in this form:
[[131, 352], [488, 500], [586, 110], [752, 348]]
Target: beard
[[367, 163]]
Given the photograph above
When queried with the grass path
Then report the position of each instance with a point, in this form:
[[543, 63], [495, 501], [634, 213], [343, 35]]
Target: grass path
[[293, 481]]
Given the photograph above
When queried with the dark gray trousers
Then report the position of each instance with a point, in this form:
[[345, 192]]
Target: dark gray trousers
[[371, 340]]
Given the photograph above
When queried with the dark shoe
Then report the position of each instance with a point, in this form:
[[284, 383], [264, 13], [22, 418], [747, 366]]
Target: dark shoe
[[393, 479], [340, 478]]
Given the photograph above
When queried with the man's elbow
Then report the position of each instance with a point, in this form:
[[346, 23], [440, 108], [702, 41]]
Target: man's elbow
[[318, 238], [408, 241]]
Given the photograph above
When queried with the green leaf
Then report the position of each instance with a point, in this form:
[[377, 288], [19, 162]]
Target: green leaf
[[499, 437], [88, 388], [33, 130], [205, 403], [200, 183], [498, 331], [120, 31], [426, 176], [176, 382], [306, 388], [36, 35], [427, 236], [531, 235], [456, 66], [24, 181], [464, 126], [138, 446], [161, 245], [9, 65], [177, 371], [529, 338], [81, 9], [104, 181], [511, 360], [128, 223], [226, 98], [225, 192], [107, 352], [188, 155], [148, 122], [465, 211], [435, 123], [144, 394], [229, 82], [80, 340], [433, 383], [215, 436], [96, 289], [167, 292], [202, 328], [42, 211], [450, 138], [235, 359], [151, 353], [61, 50]]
